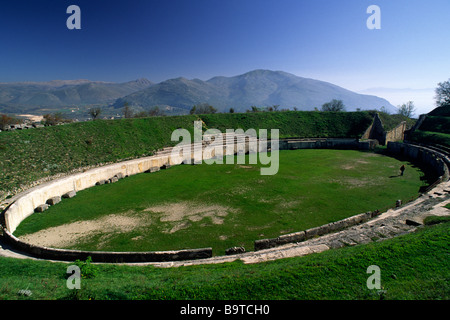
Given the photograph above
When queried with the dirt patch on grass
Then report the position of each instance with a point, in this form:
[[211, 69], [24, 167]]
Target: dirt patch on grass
[[353, 165], [172, 216], [355, 182], [183, 213], [69, 234]]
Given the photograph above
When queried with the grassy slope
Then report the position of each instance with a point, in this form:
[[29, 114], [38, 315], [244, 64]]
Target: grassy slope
[[413, 266], [30, 155], [435, 128], [390, 121], [311, 188], [33, 154], [431, 137]]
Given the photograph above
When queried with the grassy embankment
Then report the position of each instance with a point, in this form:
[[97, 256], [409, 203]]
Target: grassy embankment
[[414, 266], [435, 128], [34, 154]]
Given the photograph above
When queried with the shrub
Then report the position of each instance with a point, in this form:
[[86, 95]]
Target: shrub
[[88, 270]]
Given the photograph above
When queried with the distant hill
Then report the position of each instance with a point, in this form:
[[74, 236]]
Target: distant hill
[[23, 96], [258, 88]]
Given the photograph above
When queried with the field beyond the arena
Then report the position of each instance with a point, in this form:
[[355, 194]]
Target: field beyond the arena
[[222, 206]]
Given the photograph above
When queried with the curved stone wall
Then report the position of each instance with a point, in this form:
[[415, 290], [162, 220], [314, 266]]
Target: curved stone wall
[[104, 256], [436, 160], [314, 232], [26, 203]]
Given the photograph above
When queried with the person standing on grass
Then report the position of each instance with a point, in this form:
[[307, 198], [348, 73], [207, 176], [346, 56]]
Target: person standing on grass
[[402, 169]]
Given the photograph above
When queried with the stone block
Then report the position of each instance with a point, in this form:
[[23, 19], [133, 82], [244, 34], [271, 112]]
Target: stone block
[[41, 208], [69, 194], [53, 200], [114, 179], [314, 232], [291, 238], [263, 244], [234, 250], [119, 175], [100, 182], [152, 169]]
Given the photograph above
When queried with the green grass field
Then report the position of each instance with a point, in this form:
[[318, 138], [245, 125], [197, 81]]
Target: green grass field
[[413, 266], [227, 205]]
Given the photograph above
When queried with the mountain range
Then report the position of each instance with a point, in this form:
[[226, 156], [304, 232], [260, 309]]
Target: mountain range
[[258, 88], [22, 97]]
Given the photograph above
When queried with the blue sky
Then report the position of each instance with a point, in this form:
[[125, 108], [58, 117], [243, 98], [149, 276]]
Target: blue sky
[[325, 40]]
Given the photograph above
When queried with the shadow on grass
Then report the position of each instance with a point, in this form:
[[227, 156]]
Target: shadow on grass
[[429, 176]]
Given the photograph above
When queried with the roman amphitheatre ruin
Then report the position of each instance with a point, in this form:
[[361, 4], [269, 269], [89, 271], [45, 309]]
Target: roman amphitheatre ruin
[[360, 228]]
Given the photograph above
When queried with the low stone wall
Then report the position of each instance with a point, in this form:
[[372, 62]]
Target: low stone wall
[[104, 256], [433, 159], [293, 144], [314, 232]]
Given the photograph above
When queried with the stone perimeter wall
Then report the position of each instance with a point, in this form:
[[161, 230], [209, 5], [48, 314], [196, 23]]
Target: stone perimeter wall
[[27, 202], [314, 232], [104, 256], [436, 160]]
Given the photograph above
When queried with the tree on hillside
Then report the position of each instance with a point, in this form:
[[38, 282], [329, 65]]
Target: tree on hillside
[[384, 110], [333, 105], [95, 112], [407, 109], [5, 121], [203, 108], [54, 119], [443, 93], [127, 111], [141, 114], [155, 112]]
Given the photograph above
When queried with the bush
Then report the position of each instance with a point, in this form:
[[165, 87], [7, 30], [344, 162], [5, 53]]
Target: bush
[[87, 269], [203, 109], [333, 105], [6, 121]]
